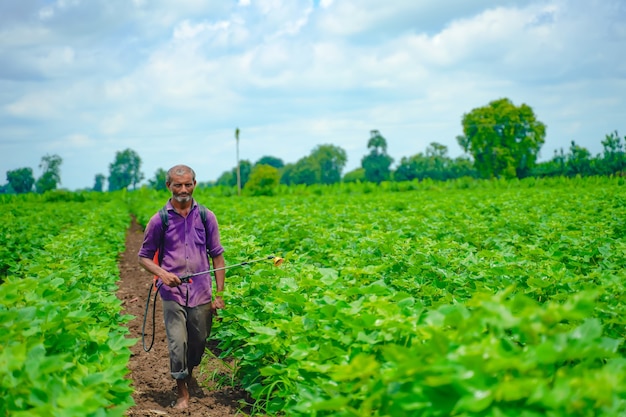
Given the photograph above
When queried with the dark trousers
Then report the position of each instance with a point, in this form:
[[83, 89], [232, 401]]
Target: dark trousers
[[187, 331]]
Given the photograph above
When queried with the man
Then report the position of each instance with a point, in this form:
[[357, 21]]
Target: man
[[187, 306]]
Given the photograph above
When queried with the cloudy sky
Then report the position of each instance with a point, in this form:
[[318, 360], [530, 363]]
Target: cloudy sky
[[171, 80]]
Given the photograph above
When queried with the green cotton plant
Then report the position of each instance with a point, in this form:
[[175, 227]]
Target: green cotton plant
[[65, 347], [481, 298]]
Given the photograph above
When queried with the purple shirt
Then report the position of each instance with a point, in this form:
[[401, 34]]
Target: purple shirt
[[184, 252]]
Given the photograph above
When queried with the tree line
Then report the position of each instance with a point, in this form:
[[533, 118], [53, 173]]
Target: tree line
[[499, 140], [124, 172]]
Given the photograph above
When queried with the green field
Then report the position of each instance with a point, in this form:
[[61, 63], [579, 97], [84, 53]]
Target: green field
[[433, 299]]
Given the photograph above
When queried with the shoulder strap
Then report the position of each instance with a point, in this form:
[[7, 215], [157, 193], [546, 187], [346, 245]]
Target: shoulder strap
[[203, 216], [164, 224], [203, 213]]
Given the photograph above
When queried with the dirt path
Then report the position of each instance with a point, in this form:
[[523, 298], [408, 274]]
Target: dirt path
[[154, 388]]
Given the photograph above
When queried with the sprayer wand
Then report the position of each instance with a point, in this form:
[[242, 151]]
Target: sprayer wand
[[277, 262]]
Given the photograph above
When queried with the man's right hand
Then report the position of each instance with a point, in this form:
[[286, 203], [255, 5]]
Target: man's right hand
[[171, 280]]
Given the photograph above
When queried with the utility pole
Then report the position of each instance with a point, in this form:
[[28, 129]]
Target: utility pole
[[238, 169]]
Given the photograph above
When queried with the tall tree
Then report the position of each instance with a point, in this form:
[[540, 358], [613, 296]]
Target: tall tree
[[271, 161], [51, 176], [377, 163], [99, 183], [125, 170], [21, 180], [503, 139], [330, 161]]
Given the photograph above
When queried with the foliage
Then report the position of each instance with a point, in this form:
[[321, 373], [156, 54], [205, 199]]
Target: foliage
[[64, 346], [435, 164], [21, 180], [229, 178], [125, 170], [614, 157], [263, 180], [99, 181], [306, 171], [322, 166], [505, 298], [28, 226], [579, 161], [51, 176], [503, 139], [158, 182], [377, 163], [46, 182], [331, 160], [356, 175], [271, 161]]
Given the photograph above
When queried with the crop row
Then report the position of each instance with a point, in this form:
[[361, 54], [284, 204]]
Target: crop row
[[502, 301], [64, 345]]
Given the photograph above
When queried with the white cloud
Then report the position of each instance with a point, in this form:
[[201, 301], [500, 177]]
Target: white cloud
[[187, 30], [46, 13], [35, 105], [78, 140], [295, 74]]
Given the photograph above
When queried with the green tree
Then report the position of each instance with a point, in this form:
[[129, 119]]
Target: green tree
[[462, 167], [503, 139], [377, 163], [305, 171], [245, 167], [99, 183], [557, 166], [21, 180], [356, 175], [51, 176], [614, 156], [227, 179], [263, 180], [271, 161], [330, 160], [434, 164], [579, 161], [158, 182], [125, 170]]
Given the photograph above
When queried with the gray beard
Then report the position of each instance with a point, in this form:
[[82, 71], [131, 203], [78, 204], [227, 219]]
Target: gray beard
[[182, 199]]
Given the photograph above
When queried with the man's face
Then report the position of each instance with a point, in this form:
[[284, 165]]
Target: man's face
[[182, 187]]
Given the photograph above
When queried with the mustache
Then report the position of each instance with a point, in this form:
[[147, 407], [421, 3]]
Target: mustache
[[182, 198]]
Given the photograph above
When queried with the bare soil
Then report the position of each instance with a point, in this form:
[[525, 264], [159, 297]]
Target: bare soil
[[154, 388]]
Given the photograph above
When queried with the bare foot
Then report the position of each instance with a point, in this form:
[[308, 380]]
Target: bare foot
[[183, 394], [181, 404]]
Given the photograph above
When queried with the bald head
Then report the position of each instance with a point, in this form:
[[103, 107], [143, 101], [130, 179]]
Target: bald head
[[179, 170]]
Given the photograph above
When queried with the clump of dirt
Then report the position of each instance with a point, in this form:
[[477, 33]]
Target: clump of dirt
[[155, 389]]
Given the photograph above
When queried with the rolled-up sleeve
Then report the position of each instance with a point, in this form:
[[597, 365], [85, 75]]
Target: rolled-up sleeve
[[151, 237]]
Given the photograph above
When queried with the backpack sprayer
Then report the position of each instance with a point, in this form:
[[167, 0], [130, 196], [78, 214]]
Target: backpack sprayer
[[187, 279]]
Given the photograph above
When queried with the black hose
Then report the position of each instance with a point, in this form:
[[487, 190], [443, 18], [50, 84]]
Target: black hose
[[145, 315]]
